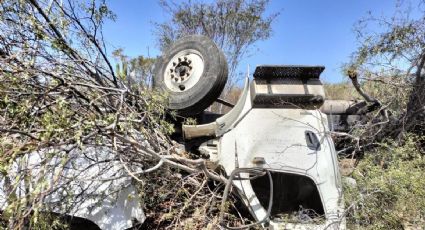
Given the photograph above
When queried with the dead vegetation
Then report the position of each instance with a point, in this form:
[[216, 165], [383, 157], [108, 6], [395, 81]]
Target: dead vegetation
[[62, 103]]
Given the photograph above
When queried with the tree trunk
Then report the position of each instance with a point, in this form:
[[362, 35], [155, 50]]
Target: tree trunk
[[415, 114]]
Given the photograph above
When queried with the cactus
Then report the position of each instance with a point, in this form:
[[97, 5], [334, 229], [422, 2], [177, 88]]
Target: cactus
[[121, 72]]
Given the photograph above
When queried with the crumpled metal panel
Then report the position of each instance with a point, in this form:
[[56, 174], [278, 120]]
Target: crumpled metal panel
[[287, 71]]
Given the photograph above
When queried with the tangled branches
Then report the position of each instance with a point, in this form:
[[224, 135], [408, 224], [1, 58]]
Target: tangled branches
[[67, 121], [388, 71]]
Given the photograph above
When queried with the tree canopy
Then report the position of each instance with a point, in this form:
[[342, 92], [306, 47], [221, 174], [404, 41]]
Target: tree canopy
[[393, 58], [235, 26]]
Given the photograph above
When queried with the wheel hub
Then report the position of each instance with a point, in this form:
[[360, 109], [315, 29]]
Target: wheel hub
[[184, 70]]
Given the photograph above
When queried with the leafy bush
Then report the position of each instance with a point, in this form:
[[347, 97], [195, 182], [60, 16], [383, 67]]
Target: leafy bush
[[390, 190]]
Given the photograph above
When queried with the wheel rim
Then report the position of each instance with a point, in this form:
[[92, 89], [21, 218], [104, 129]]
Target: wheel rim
[[184, 70]]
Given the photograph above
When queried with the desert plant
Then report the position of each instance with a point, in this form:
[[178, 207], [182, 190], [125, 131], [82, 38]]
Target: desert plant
[[389, 193]]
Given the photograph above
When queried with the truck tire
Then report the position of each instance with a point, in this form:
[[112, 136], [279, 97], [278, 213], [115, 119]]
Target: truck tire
[[193, 73]]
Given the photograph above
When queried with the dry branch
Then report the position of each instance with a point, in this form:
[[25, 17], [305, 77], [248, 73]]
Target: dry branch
[[62, 107]]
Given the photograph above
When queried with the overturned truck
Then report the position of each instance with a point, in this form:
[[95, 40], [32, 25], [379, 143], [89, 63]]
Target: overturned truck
[[275, 143], [274, 147]]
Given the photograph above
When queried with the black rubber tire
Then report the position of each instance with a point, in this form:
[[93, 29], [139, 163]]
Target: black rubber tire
[[211, 83]]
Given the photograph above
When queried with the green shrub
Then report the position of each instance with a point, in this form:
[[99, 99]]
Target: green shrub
[[390, 190]]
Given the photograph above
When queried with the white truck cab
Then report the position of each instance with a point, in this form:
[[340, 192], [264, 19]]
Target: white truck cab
[[277, 127]]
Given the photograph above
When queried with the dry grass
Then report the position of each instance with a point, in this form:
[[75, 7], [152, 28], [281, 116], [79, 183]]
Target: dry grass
[[341, 91]]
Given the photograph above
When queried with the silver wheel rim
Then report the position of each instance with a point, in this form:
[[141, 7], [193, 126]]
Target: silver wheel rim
[[184, 70]]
